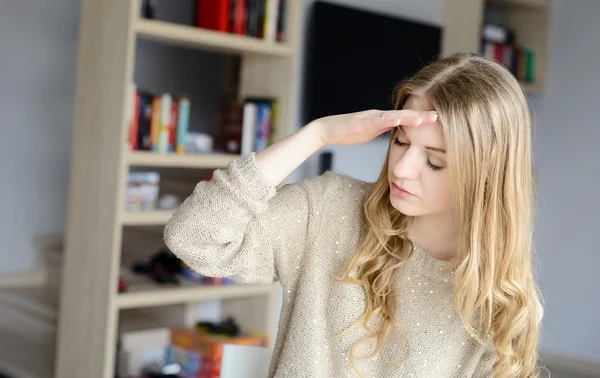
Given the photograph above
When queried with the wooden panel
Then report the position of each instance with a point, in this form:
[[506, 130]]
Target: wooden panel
[[269, 77], [143, 292], [462, 26], [153, 159], [87, 324], [531, 27], [146, 218]]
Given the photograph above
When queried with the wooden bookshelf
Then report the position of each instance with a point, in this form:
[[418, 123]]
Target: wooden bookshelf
[[146, 218], [90, 305], [153, 159], [208, 40], [149, 294], [529, 19], [531, 4]]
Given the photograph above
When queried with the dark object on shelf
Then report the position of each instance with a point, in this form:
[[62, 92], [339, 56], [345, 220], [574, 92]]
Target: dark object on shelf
[[227, 328], [148, 9], [325, 162], [122, 286], [163, 371], [180, 12], [163, 267]]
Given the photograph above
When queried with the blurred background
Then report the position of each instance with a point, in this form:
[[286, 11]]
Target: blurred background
[[125, 105]]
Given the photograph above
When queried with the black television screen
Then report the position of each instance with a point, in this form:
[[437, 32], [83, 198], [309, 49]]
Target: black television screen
[[354, 59]]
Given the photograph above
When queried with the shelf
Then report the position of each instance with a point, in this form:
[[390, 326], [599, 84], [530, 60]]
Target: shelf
[[197, 38], [146, 218], [154, 159], [143, 292], [529, 4]]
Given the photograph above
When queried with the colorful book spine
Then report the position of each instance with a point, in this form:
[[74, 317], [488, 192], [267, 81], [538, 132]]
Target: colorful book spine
[[262, 126], [144, 115], [165, 123], [173, 126], [183, 122], [132, 119], [256, 18], [155, 124], [159, 122], [249, 127], [517, 59]]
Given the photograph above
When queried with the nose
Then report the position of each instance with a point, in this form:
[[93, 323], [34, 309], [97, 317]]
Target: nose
[[407, 166]]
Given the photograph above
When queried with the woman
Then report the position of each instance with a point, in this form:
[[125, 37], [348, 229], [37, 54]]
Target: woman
[[425, 273]]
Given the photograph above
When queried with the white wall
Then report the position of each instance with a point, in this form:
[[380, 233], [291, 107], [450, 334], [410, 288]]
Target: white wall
[[38, 40], [568, 174]]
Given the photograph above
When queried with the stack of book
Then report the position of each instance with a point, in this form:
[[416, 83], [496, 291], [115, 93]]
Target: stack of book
[[254, 18], [499, 44], [158, 122], [249, 125]]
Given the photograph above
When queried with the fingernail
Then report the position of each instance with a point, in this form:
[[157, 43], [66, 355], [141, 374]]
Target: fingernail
[[431, 113]]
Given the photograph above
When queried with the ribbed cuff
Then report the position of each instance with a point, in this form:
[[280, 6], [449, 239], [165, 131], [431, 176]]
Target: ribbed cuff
[[250, 179]]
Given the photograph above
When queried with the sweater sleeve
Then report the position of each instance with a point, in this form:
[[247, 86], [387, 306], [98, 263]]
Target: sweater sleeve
[[238, 226]]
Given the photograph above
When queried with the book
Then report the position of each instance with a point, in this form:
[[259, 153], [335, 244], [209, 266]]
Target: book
[[263, 19], [159, 122]]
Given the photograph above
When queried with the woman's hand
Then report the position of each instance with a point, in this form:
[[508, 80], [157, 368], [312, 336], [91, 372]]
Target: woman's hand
[[362, 127]]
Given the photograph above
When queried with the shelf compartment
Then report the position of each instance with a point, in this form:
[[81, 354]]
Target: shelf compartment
[[210, 40], [143, 292]]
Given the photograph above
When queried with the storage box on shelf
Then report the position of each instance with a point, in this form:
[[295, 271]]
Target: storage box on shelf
[[528, 20], [90, 302]]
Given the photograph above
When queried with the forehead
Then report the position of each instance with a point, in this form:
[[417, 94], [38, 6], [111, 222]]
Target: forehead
[[427, 134], [417, 103]]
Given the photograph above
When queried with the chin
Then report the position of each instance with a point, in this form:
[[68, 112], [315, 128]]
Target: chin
[[405, 208]]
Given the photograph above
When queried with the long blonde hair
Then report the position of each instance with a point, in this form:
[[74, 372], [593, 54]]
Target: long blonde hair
[[487, 129]]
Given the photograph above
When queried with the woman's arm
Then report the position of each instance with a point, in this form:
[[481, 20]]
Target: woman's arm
[[237, 226], [280, 159]]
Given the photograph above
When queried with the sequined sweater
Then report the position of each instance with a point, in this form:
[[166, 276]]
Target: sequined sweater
[[239, 226]]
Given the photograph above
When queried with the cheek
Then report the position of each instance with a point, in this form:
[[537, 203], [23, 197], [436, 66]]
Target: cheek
[[438, 189]]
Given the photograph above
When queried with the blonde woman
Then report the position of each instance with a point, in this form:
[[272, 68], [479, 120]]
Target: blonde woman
[[425, 273]]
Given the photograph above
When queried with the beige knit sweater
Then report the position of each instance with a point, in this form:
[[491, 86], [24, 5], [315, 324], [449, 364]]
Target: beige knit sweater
[[238, 226]]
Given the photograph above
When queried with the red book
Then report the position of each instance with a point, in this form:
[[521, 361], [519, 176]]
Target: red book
[[212, 14], [134, 122], [239, 17], [173, 129], [498, 52]]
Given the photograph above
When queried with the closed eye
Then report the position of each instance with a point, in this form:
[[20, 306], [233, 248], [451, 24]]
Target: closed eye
[[399, 143], [431, 166]]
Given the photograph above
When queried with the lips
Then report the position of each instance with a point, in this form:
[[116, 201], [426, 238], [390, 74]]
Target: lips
[[402, 189]]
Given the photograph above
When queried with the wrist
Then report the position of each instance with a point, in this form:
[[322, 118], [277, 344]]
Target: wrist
[[314, 130]]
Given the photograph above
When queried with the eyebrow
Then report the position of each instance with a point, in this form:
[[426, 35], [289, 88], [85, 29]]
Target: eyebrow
[[426, 147]]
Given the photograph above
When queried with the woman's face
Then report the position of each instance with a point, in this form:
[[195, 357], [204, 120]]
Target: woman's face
[[418, 177]]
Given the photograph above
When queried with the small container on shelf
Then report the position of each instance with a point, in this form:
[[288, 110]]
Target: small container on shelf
[[142, 191]]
